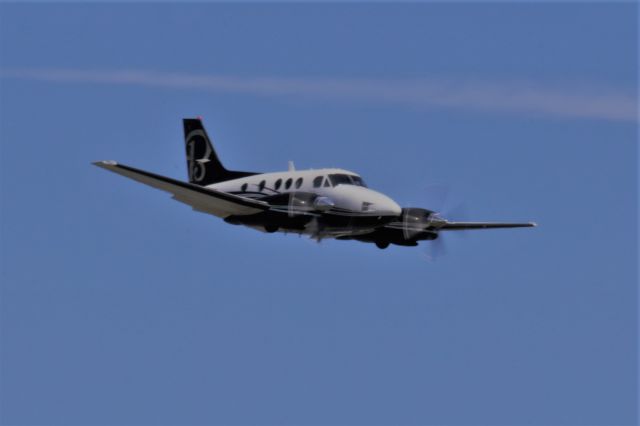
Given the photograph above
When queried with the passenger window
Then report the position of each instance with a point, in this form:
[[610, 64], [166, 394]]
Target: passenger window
[[278, 183], [317, 182], [298, 183], [261, 186], [244, 187], [287, 184]]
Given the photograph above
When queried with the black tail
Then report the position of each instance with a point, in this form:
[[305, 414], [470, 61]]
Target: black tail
[[203, 164]]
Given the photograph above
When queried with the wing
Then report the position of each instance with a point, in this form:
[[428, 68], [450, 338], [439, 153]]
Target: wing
[[199, 198], [460, 226]]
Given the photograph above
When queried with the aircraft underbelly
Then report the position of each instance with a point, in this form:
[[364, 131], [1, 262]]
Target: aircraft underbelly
[[326, 225]]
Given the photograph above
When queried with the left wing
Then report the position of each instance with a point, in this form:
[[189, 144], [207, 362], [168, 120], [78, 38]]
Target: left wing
[[200, 198]]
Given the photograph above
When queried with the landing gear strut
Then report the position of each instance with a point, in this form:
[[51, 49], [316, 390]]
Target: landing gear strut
[[382, 244]]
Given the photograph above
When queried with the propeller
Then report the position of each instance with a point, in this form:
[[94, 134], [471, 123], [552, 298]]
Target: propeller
[[315, 230], [435, 249], [305, 203], [416, 221], [291, 205], [300, 202]]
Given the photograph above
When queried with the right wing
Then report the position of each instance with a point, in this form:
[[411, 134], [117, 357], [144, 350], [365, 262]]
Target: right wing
[[461, 226], [199, 198]]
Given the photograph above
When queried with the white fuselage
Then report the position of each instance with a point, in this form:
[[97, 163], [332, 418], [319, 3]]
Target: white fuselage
[[348, 196]]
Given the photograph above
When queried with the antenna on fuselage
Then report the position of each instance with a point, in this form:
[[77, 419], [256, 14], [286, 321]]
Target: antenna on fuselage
[[292, 167]]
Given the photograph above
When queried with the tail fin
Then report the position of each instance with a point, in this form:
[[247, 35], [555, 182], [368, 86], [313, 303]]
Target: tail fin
[[203, 164]]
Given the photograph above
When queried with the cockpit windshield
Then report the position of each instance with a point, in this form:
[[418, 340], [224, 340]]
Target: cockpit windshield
[[357, 180], [338, 179]]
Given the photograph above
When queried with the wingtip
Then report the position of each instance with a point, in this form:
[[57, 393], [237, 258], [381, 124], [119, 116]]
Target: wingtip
[[533, 224], [105, 163]]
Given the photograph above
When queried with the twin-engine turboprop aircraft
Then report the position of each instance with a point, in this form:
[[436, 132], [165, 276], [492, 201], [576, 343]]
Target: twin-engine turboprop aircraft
[[322, 203]]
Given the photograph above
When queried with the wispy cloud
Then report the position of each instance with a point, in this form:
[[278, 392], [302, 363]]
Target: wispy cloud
[[520, 97]]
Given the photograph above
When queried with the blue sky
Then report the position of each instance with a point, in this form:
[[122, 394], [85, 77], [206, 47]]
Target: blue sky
[[120, 306]]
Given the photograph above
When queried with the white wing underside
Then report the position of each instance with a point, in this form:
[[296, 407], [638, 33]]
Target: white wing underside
[[210, 201]]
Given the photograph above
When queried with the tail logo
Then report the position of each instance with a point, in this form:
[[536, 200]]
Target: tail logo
[[198, 154]]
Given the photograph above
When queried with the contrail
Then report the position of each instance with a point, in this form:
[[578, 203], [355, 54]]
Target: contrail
[[601, 103]]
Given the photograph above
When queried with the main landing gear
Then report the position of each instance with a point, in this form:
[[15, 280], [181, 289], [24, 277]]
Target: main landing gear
[[271, 228], [382, 244]]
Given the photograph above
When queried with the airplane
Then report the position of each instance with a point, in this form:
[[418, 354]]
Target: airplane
[[319, 203]]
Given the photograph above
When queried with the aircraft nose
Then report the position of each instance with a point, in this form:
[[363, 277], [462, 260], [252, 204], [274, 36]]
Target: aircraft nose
[[392, 208], [365, 200], [385, 206]]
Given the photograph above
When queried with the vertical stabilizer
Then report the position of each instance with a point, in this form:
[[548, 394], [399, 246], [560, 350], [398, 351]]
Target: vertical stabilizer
[[203, 165]]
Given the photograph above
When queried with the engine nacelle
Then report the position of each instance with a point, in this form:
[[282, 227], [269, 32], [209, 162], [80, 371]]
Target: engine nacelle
[[323, 203]]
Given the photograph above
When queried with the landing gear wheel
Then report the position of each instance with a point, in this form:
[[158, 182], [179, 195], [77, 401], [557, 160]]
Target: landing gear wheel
[[382, 244], [270, 228]]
